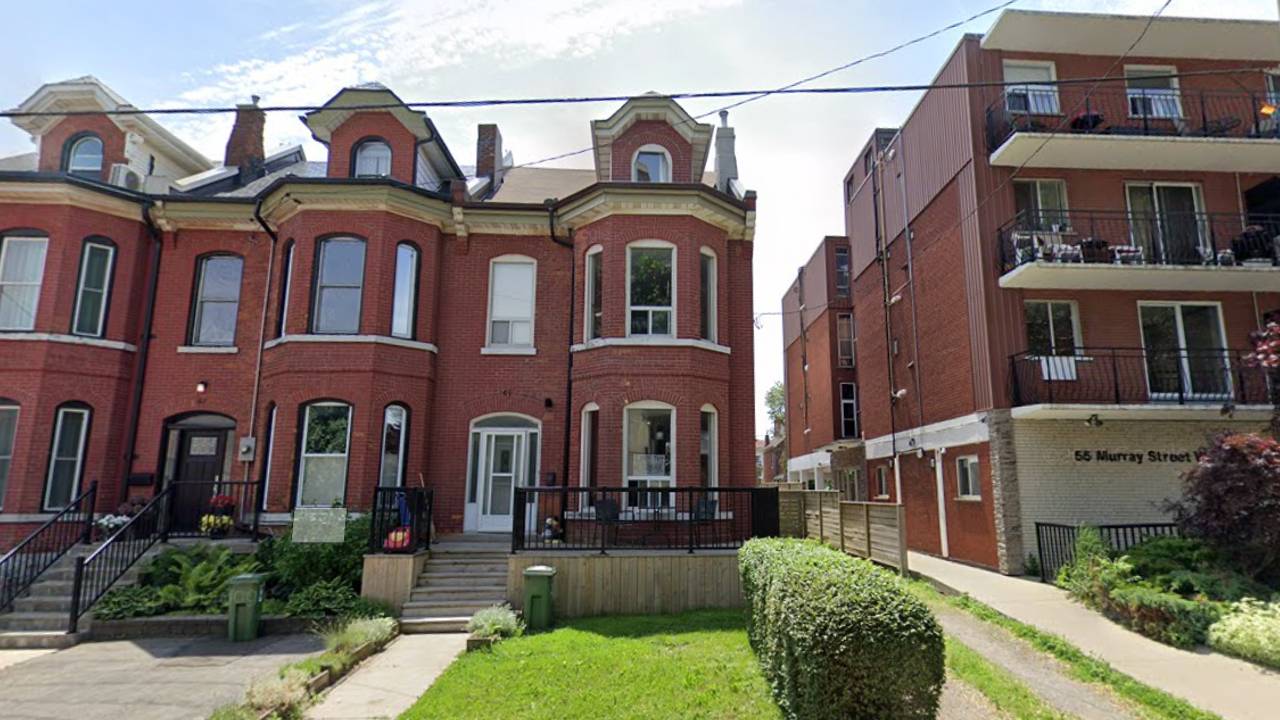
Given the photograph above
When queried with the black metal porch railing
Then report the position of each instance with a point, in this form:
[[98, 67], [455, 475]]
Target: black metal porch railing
[[400, 519], [1056, 543], [22, 565], [1113, 108], [1112, 237], [95, 574], [617, 518], [1125, 376], [214, 509]]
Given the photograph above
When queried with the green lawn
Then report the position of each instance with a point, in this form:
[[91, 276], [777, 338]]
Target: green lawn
[[693, 665]]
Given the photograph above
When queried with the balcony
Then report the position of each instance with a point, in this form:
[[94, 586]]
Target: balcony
[[1147, 382], [1117, 250], [1117, 128]]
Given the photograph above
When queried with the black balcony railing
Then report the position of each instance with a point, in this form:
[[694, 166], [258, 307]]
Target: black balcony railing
[[1134, 376], [1112, 237], [215, 509], [603, 519], [1112, 108], [400, 519]]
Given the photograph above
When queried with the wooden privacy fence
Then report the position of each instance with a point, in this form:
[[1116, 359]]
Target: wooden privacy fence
[[876, 531]]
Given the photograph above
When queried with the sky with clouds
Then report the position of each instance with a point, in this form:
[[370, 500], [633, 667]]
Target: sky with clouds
[[793, 150]]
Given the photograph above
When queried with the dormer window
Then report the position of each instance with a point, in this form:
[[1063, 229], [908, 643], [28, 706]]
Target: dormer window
[[372, 159], [84, 157], [652, 165]]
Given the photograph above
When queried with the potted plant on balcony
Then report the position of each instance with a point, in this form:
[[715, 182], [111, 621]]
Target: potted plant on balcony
[[223, 505], [215, 526]]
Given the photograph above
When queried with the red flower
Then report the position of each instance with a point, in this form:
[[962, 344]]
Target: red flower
[[219, 502]]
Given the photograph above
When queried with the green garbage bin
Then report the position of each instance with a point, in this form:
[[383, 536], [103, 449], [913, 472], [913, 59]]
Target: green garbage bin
[[537, 596], [244, 606]]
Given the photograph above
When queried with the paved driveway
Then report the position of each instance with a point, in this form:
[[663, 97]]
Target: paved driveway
[[155, 679]]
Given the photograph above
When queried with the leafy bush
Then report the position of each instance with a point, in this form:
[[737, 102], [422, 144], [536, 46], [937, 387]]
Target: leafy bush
[[358, 632], [334, 598], [838, 637], [233, 712], [1190, 568], [129, 602], [1251, 630], [1162, 616], [1231, 499], [297, 566], [167, 567], [499, 621], [285, 693], [200, 585], [1032, 565], [1079, 576]]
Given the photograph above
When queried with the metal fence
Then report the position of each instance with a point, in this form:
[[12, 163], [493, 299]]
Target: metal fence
[[634, 518], [214, 509], [1057, 543], [22, 565], [400, 519]]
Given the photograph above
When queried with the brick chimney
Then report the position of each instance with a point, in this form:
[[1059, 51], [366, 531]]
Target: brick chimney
[[726, 158], [489, 155], [244, 147]]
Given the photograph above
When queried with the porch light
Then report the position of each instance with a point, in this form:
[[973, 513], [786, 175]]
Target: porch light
[[1267, 109], [202, 386], [1093, 421]]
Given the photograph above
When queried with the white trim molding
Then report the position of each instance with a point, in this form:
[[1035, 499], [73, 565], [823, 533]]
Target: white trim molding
[[374, 339], [208, 349], [650, 341], [69, 340], [513, 350], [963, 430]]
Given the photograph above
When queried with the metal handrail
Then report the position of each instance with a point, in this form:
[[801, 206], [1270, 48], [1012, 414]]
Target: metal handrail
[[19, 569]]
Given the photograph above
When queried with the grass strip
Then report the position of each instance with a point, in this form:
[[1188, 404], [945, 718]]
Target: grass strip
[[999, 687], [1153, 702]]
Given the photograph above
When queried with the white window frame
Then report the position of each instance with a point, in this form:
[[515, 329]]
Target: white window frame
[[675, 287], [46, 505], [1044, 91], [404, 443], [713, 464], [652, 148], [81, 288], [360, 150], [71, 155], [1077, 340], [6, 244], [712, 309], [842, 289], [650, 481], [320, 285], [1229, 381], [882, 482], [1273, 86], [1197, 196], [584, 444], [197, 315], [1040, 211], [303, 455], [288, 286], [13, 441], [271, 451], [1174, 92], [412, 289], [524, 348], [967, 466], [849, 405], [595, 252], [844, 321]]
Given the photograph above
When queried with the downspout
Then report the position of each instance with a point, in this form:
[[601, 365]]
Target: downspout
[[144, 345], [882, 250], [262, 335], [911, 279], [568, 373]]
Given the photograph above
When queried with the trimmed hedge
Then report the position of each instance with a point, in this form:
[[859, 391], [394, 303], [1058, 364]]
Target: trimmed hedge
[[838, 637], [1168, 618]]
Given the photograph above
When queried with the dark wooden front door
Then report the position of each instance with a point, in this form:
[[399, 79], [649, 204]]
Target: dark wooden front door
[[200, 466]]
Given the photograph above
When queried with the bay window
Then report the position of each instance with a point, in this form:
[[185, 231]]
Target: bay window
[[96, 262], [66, 455], [217, 300], [21, 271], [650, 289], [649, 448], [395, 435], [595, 293], [708, 286], [322, 468], [339, 287], [709, 447], [512, 282], [405, 297], [8, 431]]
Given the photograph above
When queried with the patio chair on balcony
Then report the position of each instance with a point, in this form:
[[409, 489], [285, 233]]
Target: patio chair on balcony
[[704, 516], [1254, 247], [1063, 253], [1221, 127], [1225, 258], [1128, 255]]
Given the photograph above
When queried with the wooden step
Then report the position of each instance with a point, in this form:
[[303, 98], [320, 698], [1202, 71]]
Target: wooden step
[[481, 592]]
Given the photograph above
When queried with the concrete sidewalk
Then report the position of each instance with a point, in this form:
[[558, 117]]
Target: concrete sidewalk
[[1232, 688], [390, 682]]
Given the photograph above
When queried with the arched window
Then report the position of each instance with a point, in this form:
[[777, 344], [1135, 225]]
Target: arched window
[[504, 455], [708, 285], [66, 454], [217, 300], [84, 156], [372, 159], [286, 283], [96, 263], [590, 427], [8, 432], [339, 286], [649, 450], [594, 315], [322, 465], [652, 164], [395, 437], [651, 282], [404, 301], [709, 453]]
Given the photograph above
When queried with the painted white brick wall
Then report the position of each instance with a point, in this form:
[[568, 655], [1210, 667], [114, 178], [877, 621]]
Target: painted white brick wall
[[1055, 487]]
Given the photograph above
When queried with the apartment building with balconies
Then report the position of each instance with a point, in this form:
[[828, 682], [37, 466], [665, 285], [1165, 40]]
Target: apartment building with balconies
[[1056, 270], [300, 332]]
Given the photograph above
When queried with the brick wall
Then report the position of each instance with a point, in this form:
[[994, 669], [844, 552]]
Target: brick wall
[[373, 124], [652, 132], [53, 142]]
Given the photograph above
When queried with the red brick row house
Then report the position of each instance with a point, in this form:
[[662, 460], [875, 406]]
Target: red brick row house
[[1055, 281], [387, 317]]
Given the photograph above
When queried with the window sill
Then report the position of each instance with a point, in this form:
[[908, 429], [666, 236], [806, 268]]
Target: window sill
[[68, 339], [650, 341], [208, 349], [503, 350], [880, 497], [969, 498], [373, 339], [15, 517]]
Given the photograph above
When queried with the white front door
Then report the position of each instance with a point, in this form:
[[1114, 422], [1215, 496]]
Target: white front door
[[502, 464]]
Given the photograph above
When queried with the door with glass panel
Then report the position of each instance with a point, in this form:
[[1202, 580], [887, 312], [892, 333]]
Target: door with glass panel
[[1185, 356], [504, 456], [1167, 222]]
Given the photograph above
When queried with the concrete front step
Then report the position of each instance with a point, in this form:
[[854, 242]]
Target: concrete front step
[[424, 625], [43, 603], [39, 639], [461, 579], [443, 608], [28, 621], [464, 567], [479, 592]]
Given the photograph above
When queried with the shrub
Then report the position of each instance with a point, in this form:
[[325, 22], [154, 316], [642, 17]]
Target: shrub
[[199, 581], [285, 693], [1231, 499], [838, 637], [1190, 568], [499, 621], [1032, 565], [351, 635], [129, 602], [1079, 577], [233, 712], [1250, 630], [297, 566], [331, 598], [167, 567], [1168, 618]]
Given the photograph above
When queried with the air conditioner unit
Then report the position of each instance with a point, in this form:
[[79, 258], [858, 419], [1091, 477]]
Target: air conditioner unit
[[126, 177]]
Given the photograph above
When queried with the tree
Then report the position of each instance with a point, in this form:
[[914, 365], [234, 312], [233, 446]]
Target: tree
[[775, 400], [1231, 500], [1266, 355]]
